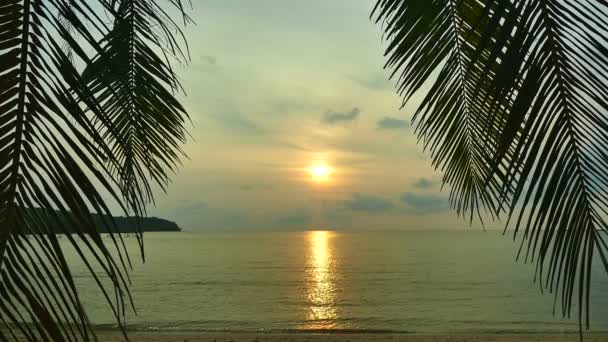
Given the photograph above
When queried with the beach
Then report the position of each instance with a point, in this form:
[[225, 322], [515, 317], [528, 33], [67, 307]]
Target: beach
[[351, 337]]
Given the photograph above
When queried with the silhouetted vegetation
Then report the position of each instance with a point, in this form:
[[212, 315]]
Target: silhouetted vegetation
[[89, 116], [106, 224], [515, 116], [148, 224]]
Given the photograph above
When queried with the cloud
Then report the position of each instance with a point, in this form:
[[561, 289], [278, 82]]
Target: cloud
[[300, 218], [424, 183], [293, 146], [392, 123], [368, 203], [205, 64], [332, 118], [238, 123], [190, 208], [424, 204], [209, 59], [372, 82]]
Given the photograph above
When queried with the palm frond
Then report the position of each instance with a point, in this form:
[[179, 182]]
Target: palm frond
[[535, 74], [52, 167], [447, 39], [133, 79], [559, 158]]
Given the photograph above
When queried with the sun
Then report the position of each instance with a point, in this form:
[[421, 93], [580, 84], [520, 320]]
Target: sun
[[320, 172]]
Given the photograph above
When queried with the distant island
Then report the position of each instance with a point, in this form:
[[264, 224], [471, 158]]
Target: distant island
[[123, 224], [148, 224]]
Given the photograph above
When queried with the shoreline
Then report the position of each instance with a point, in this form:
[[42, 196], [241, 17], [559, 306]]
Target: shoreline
[[113, 335], [307, 336], [153, 330]]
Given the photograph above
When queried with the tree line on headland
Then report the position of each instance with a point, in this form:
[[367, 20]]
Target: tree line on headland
[[104, 224]]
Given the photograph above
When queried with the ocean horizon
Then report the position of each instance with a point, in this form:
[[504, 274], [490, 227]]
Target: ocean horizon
[[333, 281]]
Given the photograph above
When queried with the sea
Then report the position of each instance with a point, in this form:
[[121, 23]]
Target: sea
[[389, 281]]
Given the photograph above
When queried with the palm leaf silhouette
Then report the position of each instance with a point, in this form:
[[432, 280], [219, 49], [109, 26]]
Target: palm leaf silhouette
[[135, 86], [56, 168], [453, 120], [525, 82]]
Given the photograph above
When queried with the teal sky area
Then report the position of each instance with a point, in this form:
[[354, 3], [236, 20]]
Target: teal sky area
[[277, 87]]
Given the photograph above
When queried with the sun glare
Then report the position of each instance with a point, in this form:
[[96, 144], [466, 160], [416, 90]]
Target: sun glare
[[321, 284], [320, 172]]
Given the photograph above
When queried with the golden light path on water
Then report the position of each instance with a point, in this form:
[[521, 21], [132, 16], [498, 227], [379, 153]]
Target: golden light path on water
[[321, 282]]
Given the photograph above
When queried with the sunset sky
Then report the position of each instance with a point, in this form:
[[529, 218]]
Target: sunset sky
[[276, 87]]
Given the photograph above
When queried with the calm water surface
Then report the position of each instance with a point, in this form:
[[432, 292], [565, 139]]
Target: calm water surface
[[399, 281]]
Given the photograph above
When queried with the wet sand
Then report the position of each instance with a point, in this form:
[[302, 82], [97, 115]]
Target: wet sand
[[351, 337]]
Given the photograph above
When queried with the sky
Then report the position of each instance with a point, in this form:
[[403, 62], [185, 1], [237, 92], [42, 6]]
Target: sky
[[278, 86]]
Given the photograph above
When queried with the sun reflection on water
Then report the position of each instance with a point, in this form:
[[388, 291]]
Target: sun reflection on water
[[321, 282]]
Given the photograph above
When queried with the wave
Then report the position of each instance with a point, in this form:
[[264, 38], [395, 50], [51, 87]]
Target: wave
[[197, 327]]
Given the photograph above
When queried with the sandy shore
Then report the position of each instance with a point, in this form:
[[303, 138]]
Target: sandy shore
[[355, 337]]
